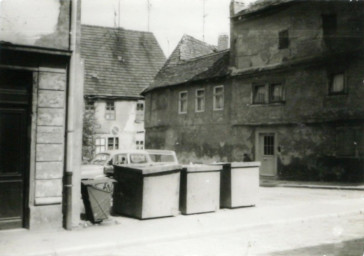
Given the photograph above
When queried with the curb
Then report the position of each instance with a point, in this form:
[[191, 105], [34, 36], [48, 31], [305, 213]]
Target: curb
[[107, 247], [320, 187]]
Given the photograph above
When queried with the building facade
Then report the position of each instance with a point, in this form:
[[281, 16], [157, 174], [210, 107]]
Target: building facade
[[40, 132], [119, 65], [294, 97]]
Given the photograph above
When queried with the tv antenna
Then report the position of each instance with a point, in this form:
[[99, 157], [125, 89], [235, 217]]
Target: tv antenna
[[149, 6], [204, 15], [117, 16]]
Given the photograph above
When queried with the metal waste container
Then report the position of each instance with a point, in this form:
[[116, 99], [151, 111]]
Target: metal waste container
[[239, 184], [96, 196], [146, 191], [200, 189]]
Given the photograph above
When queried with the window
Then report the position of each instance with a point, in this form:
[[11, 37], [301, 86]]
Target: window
[[120, 159], [218, 97], [268, 145], [138, 158], [110, 105], [283, 39], [182, 103], [276, 92], [268, 93], [139, 144], [259, 94], [140, 106], [200, 100], [100, 145], [329, 25], [89, 105], [139, 117], [112, 143], [110, 110], [337, 84]]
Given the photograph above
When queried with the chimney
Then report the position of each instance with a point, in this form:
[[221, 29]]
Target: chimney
[[236, 6], [223, 42]]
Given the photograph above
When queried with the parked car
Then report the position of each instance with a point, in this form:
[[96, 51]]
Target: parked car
[[102, 164]]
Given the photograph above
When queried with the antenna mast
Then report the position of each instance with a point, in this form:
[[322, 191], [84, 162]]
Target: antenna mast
[[148, 7], [203, 20], [119, 16]]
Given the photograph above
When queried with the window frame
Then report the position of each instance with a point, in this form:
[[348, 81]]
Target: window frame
[[256, 85], [268, 93], [197, 98], [110, 110], [138, 108], [99, 146], [329, 29], [331, 77], [214, 95], [89, 105], [115, 143], [283, 39], [180, 102], [139, 144]]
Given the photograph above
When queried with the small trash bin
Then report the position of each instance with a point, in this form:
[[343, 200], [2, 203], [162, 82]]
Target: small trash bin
[[146, 191], [96, 196], [200, 189], [239, 184]]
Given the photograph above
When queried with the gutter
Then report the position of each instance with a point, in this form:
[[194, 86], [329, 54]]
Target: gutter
[[70, 127]]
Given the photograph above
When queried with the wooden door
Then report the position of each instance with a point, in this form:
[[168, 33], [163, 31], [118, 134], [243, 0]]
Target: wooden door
[[14, 147], [267, 154]]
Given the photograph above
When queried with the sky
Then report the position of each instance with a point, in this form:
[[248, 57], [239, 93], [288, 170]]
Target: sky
[[169, 20]]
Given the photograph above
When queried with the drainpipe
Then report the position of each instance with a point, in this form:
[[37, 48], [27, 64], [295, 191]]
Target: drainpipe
[[70, 118]]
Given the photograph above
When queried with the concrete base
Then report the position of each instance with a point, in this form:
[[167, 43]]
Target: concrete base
[[46, 217]]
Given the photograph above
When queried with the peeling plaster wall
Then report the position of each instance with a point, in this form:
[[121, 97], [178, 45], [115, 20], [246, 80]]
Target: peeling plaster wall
[[44, 23], [254, 41], [195, 136], [307, 96]]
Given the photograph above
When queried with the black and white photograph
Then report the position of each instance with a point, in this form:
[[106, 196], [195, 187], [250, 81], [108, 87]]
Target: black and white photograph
[[182, 127]]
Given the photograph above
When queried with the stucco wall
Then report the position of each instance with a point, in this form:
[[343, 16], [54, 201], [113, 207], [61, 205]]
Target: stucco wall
[[254, 41], [129, 122], [43, 23]]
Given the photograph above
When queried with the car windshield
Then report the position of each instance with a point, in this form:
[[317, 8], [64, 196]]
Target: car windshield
[[162, 158], [100, 159]]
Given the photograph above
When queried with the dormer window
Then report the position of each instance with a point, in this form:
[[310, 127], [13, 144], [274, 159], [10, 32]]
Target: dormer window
[[283, 37]]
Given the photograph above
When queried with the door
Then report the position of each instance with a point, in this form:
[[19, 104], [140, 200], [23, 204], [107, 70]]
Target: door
[[14, 150], [267, 154]]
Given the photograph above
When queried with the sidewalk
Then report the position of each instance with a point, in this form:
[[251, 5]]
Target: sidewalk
[[276, 206], [312, 184]]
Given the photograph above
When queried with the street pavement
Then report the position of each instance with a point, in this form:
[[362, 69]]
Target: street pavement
[[285, 221]]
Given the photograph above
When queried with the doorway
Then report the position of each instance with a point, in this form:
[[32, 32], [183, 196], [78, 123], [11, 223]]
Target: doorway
[[266, 153], [15, 88]]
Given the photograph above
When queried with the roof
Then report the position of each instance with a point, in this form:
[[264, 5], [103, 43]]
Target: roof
[[189, 48], [262, 5], [119, 62], [205, 67]]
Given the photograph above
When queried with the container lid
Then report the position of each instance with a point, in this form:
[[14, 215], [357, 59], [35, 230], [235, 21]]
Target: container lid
[[97, 181], [245, 164], [149, 169], [202, 168]]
